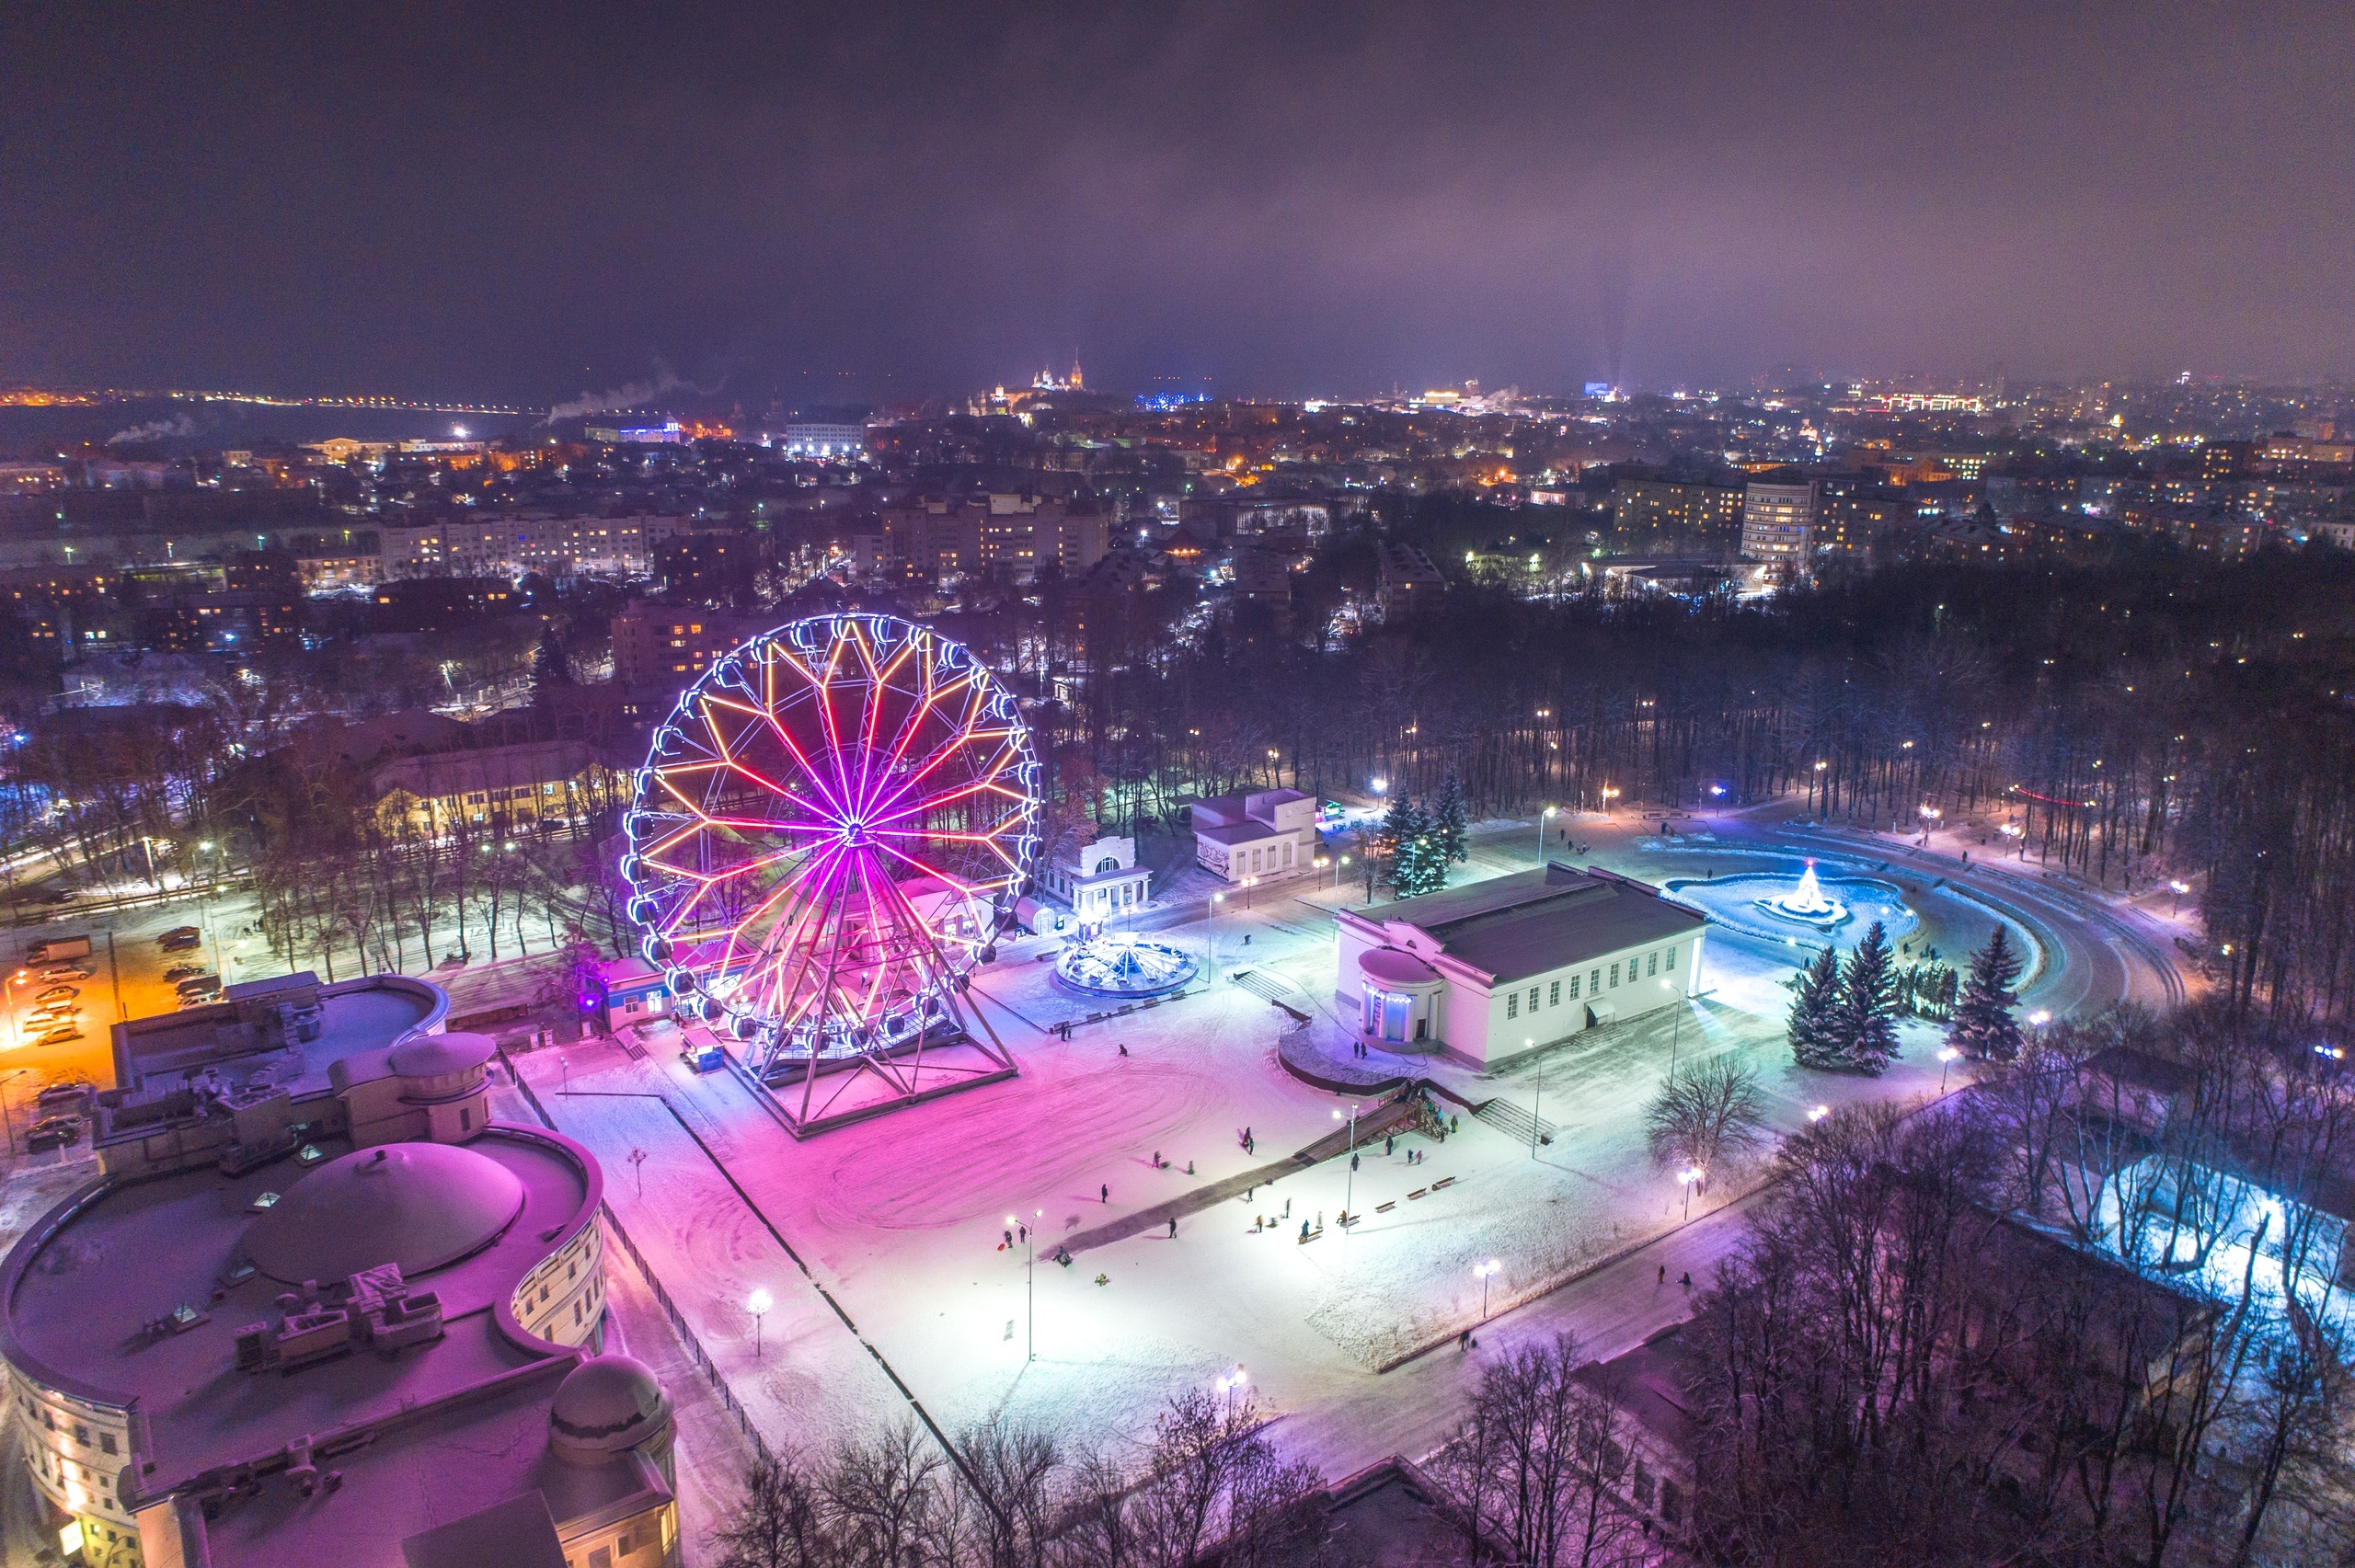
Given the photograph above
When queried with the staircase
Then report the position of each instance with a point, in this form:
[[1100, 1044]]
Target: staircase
[[1274, 991], [1515, 1122]]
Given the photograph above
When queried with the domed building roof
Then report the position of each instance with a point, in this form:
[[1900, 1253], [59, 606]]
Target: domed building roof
[[418, 1205], [439, 1055], [1392, 966], [606, 1406]]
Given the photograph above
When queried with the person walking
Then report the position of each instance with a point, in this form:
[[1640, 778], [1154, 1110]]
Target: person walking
[[1172, 1227], [1105, 1192], [1685, 1279], [1663, 1274]]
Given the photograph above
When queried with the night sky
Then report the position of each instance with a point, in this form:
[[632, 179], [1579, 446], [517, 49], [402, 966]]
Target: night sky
[[870, 201]]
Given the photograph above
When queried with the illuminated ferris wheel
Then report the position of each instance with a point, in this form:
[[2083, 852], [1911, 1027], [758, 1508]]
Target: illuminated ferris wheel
[[831, 827]]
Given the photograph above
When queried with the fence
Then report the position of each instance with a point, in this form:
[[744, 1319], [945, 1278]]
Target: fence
[[704, 1363]]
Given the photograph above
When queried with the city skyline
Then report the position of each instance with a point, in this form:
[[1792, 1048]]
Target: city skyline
[[531, 207]]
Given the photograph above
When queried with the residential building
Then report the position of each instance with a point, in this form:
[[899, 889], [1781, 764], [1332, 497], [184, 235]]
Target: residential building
[[1269, 834], [1647, 506], [1497, 968], [1405, 581], [1778, 524], [1022, 535], [668, 646]]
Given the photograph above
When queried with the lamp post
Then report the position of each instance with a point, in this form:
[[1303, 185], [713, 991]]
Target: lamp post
[[1818, 1113], [1930, 815], [1228, 1384], [1541, 832], [1607, 794], [1337, 872], [1350, 1186], [1946, 1061], [758, 1303], [1676, 1029], [1029, 1286], [638, 1163], [1486, 1271], [1691, 1177], [2177, 888], [1536, 1099], [1210, 936]]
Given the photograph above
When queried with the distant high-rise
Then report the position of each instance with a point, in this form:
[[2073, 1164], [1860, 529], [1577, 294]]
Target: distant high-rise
[[1778, 523]]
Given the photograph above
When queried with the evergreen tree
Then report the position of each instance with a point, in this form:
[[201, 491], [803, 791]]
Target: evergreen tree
[[550, 668], [1814, 1028], [1983, 1025], [1867, 1007], [1418, 865], [1453, 822], [1400, 825]]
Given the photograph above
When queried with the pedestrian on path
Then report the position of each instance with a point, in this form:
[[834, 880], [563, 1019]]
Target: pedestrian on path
[[1663, 1274], [1172, 1227], [1389, 1145], [1009, 1238], [1105, 1192], [1287, 1208], [1353, 1161], [1685, 1279], [1124, 1050]]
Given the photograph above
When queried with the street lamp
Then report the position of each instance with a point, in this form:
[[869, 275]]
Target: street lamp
[[1486, 1272], [1676, 1030], [1691, 1177], [1818, 1113], [758, 1303], [1378, 785], [1349, 1187], [2039, 1018], [1228, 1384], [1337, 872], [1249, 883], [1945, 1060], [1029, 1286], [1541, 832], [2177, 888], [1209, 935], [1930, 815], [1608, 794]]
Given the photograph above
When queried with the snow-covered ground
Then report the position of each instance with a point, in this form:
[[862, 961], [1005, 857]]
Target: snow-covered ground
[[903, 1219]]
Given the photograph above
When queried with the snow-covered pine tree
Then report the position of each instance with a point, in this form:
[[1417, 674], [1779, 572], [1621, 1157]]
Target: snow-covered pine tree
[[1452, 822], [1867, 1008], [1983, 1025], [1815, 1040]]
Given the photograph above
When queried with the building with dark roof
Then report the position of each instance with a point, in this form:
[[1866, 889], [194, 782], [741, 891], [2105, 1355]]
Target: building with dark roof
[[1502, 966], [319, 1308]]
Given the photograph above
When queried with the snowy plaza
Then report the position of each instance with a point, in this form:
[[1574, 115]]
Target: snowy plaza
[[1140, 1117]]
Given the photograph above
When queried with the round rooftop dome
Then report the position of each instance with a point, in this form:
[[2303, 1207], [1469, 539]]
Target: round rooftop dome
[[1393, 967], [418, 1205], [439, 1055], [606, 1406]]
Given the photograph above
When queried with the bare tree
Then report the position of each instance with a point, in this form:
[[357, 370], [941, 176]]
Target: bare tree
[[1706, 1113]]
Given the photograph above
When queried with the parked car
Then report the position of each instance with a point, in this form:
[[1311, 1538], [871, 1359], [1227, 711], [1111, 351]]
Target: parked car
[[183, 972], [195, 984], [64, 972], [69, 1129], [58, 993], [181, 938], [56, 895], [43, 1142], [58, 1037], [66, 1099]]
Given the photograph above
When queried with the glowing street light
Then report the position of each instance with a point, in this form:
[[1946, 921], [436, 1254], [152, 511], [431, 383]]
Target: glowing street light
[[2336, 1053], [1029, 1285], [758, 1303], [1378, 785], [1484, 1272], [1818, 1113], [1946, 1055], [1608, 795], [2177, 888], [1691, 1177], [1210, 934], [1541, 832], [2040, 1017], [1229, 1383], [1349, 1187]]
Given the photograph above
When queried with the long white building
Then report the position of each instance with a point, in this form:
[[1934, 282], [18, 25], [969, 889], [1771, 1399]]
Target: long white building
[[1500, 968]]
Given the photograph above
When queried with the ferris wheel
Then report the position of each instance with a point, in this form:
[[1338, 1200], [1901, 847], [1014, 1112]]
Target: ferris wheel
[[831, 829]]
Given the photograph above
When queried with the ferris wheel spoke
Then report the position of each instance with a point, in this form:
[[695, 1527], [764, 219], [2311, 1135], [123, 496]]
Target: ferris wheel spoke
[[959, 736], [766, 716]]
